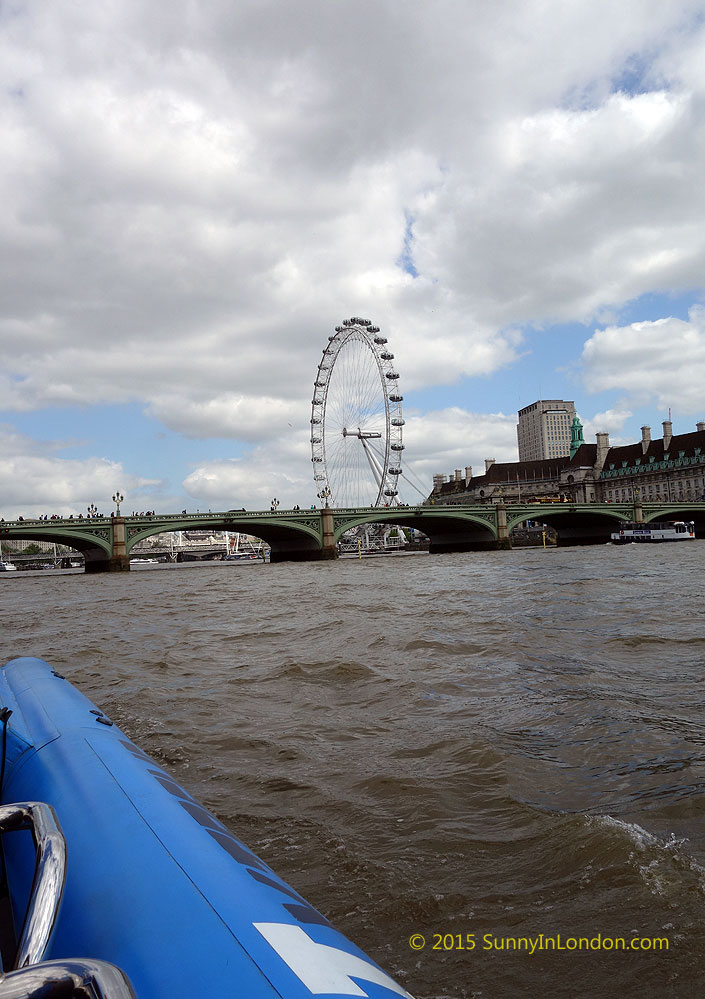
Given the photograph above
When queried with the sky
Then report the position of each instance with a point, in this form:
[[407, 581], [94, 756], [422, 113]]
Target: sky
[[194, 194]]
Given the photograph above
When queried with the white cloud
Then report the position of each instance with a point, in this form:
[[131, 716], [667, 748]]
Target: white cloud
[[193, 195], [236, 483], [453, 438], [609, 421], [248, 418], [281, 471], [660, 362], [193, 198], [434, 442], [36, 482]]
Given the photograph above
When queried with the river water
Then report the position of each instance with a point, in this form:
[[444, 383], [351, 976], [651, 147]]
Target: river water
[[503, 744]]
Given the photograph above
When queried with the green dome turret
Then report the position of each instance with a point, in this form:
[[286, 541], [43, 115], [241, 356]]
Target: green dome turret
[[576, 435]]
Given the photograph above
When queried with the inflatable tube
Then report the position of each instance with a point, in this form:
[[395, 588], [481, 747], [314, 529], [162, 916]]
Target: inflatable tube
[[155, 884]]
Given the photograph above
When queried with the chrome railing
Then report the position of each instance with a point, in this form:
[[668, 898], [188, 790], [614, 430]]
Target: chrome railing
[[31, 977], [49, 876], [67, 980]]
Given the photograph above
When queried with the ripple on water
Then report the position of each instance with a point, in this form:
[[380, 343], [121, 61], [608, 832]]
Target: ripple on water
[[492, 743]]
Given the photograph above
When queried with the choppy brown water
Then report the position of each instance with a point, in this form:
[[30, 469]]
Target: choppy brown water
[[495, 743]]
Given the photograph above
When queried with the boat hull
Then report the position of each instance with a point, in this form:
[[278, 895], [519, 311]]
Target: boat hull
[[155, 883]]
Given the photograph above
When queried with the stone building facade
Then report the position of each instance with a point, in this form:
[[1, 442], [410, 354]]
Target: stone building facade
[[670, 468]]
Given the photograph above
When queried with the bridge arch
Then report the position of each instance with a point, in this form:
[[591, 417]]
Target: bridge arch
[[673, 511], [575, 524], [447, 530], [283, 535], [94, 543]]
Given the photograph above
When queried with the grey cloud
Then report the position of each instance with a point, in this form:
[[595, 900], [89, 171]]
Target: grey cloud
[[195, 193]]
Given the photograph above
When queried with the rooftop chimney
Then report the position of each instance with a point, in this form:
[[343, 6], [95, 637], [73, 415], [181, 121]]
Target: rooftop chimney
[[667, 433], [438, 481], [603, 446], [468, 471], [458, 475], [700, 426], [489, 462], [645, 439]]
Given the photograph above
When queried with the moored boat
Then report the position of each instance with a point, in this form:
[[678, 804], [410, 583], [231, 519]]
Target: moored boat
[[677, 530], [7, 567], [153, 888]]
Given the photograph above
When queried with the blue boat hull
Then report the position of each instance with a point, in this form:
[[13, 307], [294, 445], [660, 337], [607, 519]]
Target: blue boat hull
[[155, 883]]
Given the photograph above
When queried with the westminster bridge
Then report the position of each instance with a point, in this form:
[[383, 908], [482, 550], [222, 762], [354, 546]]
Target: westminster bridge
[[309, 535]]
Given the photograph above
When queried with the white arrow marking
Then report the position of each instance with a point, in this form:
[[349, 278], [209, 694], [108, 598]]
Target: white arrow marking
[[324, 970]]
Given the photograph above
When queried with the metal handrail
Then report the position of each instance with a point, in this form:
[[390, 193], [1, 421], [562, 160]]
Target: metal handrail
[[49, 876], [33, 978], [71, 979]]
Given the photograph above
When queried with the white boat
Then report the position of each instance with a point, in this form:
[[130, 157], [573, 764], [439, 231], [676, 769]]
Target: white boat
[[676, 530], [7, 567]]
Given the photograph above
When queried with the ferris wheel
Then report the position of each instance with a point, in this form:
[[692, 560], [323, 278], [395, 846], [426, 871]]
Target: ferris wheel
[[356, 421]]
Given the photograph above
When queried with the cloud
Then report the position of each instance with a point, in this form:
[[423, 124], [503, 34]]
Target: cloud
[[660, 362], [444, 440], [36, 482], [253, 481], [193, 199], [247, 418], [609, 421], [438, 441]]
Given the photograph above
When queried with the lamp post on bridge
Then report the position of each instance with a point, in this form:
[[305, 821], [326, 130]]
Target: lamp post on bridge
[[324, 496], [275, 504], [92, 510], [117, 500]]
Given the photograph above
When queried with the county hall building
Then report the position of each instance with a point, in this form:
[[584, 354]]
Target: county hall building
[[668, 468]]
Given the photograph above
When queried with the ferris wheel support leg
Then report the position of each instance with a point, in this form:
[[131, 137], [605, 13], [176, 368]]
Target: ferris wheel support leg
[[377, 472]]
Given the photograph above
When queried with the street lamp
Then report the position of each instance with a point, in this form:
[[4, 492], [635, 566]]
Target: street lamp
[[92, 510], [117, 500], [275, 504], [323, 496]]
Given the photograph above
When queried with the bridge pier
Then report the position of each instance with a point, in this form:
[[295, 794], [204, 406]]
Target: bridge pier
[[119, 563], [445, 535], [329, 549], [503, 542], [282, 550], [98, 561], [439, 547], [585, 535], [301, 555]]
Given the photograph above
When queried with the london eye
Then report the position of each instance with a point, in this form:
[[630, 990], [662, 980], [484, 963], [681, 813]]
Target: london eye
[[356, 419]]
